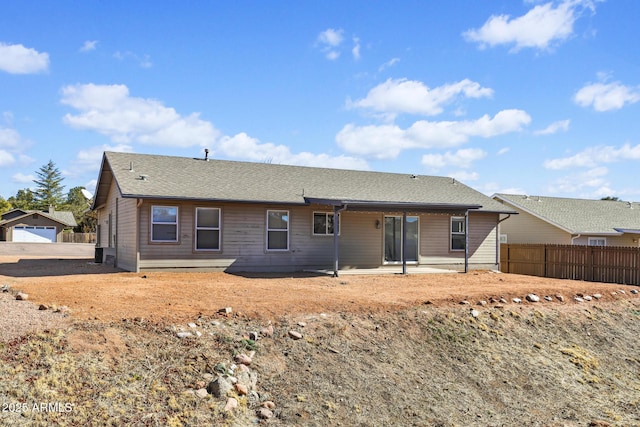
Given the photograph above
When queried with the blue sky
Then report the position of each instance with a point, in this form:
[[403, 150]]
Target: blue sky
[[530, 97]]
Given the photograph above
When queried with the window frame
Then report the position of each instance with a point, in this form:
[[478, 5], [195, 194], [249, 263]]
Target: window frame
[[313, 223], [453, 233], [197, 228], [285, 230], [592, 239], [176, 223]]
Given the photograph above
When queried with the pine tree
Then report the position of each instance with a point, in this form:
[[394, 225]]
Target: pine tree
[[49, 191]]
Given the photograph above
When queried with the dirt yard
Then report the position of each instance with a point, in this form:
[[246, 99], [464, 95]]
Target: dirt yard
[[99, 292]]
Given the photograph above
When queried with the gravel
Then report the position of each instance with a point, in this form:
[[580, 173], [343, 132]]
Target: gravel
[[22, 317]]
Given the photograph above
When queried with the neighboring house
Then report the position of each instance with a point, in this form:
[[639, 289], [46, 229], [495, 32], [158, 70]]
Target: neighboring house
[[21, 225], [172, 212], [556, 220]]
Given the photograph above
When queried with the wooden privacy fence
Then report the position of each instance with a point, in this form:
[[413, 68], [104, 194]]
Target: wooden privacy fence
[[79, 237], [609, 264]]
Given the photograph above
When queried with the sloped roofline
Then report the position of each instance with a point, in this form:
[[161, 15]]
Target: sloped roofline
[[535, 214]]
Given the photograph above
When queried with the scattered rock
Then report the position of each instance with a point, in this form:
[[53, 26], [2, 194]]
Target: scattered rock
[[232, 404], [42, 307], [502, 301], [268, 404], [183, 334], [267, 332], [587, 298], [264, 413], [516, 300], [249, 379], [219, 387], [548, 298], [597, 296], [199, 384], [243, 359], [241, 389], [578, 299], [226, 310], [5, 288], [464, 302], [202, 393], [533, 298], [253, 336], [559, 297], [482, 303], [295, 335], [634, 291], [302, 324], [192, 325], [21, 296], [475, 313], [599, 423], [620, 291], [614, 293]]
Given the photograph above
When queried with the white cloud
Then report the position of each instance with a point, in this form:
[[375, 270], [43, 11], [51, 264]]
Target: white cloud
[[22, 178], [89, 159], [593, 156], [245, 147], [462, 158], [111, 111], [355, 51], [17, 59], [593, 181], [143, 61], [9, 138], [607, 96], [89, 45], [409, 96], [329, 41], [504, 150], [387, 141], [539, 28], [555, 127], [464, 176], [389, 64], [6, 158]]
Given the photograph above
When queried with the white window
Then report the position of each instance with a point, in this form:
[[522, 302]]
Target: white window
[[597, 241], [458, 235], [277, 230], [207, 229], [164, 223], [322, 223]]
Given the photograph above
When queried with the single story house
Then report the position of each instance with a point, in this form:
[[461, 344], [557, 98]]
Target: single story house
[[22, 225], [157, 212], [565, 221]]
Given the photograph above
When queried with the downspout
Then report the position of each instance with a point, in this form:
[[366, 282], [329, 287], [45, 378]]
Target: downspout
[[466, 241], [336, 232], [498, 239], [577, 236], [137, 231], [115, 263]]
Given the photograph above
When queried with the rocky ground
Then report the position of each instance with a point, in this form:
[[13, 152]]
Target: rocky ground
[[481, 349]]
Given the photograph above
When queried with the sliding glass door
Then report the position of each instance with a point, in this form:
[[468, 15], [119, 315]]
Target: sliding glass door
[[393, 239]]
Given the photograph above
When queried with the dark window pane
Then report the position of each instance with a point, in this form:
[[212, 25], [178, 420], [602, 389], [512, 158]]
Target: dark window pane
[[277, 240], [208, 218], [208, 239], [164, 233], [319, 223], [457, 241]]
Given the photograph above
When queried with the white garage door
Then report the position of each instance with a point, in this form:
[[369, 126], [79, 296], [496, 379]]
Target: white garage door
[[34, 234]]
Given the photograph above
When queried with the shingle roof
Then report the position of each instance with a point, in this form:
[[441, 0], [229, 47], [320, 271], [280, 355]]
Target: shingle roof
[[580, 215], [65, 218], [154, 176]]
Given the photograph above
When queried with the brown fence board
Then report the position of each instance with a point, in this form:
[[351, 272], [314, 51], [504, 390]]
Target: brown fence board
[[609, 264]]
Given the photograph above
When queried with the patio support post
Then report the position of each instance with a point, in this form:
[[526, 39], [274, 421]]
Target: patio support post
[[336, 232], [404, 242]]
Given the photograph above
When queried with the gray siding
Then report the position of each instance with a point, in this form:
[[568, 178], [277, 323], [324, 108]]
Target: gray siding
[[527, 228], [243, 240]]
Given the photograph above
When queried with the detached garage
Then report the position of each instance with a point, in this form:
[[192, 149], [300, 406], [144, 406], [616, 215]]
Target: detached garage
[[30, 226]]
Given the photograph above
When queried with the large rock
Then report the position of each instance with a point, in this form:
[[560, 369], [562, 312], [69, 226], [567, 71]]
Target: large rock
[[219, 387], [533, 298]]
